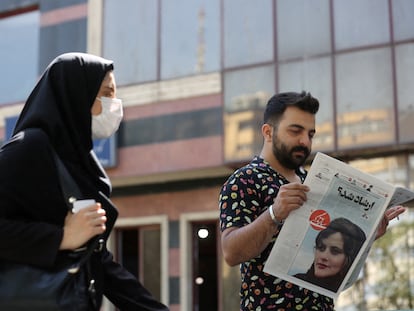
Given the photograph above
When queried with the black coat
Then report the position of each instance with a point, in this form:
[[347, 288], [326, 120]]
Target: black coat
[[56, 117]]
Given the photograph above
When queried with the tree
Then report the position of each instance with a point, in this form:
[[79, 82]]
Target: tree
[[389, 269]]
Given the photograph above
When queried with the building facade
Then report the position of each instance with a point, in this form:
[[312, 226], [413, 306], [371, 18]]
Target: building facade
[[194, 76]]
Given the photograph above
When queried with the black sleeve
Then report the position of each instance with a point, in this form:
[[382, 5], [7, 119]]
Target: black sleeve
[[125, 291], [32, 209]]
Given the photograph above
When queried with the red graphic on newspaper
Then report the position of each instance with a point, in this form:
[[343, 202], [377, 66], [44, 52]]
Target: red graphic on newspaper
[[319, 219]]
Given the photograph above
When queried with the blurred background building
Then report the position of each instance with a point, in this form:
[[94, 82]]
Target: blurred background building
[[194, 76]]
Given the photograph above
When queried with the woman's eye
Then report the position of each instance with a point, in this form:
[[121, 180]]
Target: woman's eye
[[336, 251], [320, 248]]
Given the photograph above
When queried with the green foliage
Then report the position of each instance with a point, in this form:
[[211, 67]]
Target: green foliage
[[392, 269]]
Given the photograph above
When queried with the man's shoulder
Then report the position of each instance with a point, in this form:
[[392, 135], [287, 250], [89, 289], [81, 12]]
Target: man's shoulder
[[256, 165]]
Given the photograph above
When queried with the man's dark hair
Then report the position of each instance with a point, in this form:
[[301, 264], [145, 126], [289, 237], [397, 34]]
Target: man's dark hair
[[278, 103]]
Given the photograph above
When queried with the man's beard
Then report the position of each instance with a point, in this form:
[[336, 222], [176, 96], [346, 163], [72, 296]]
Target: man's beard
[[285, 156]]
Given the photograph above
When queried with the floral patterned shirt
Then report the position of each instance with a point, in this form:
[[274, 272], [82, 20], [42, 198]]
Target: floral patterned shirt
[[245, 195]]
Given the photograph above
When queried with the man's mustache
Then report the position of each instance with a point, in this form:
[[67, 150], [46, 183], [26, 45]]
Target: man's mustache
[[300, 148]]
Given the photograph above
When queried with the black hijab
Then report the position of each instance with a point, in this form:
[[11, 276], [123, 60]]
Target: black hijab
[[60, 105]]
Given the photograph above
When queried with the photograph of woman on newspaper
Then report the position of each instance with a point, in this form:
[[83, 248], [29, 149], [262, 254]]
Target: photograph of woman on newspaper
[[335, 250]]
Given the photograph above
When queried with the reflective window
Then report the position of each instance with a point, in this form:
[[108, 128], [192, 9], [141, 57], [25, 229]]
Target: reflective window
[[364, 98], [314, 76], [248, 32], [130, 39], [303, 28], [190, 37], [389, 169], [242, 83], [405, 77], [246, 93], [360, 23], [403, 18], [19, 56]]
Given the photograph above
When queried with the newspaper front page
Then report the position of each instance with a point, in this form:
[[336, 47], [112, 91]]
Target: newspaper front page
[[337, 192]]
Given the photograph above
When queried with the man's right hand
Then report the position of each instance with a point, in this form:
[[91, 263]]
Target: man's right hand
[[259, 233], [290, 197]]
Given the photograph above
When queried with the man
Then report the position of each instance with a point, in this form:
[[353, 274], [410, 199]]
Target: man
[[258, 197]]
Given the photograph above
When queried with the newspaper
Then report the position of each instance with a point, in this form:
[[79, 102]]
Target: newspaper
[[337, 191]]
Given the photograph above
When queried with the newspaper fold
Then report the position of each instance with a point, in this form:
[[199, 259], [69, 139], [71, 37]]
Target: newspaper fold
[[337, 191]]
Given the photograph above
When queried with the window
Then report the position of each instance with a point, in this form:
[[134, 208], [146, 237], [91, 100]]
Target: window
[[190, 37], [314, 76], [360, 23], [405, 77], [161, 39], [303, 28], [246, 93], [365, 98], [403, 17], [19, 46], [130, 39], [248, 32]]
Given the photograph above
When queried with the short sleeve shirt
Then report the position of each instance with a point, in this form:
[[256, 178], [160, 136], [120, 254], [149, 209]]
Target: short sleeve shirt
[[247, 193]]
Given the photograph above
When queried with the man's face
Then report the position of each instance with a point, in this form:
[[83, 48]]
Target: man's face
[[292, 140]]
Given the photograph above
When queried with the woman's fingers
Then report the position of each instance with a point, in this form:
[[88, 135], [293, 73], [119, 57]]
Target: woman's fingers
[[83, 225]]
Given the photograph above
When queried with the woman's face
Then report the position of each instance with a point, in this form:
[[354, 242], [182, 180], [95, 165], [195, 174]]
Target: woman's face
[[329, 256], [107, 89]]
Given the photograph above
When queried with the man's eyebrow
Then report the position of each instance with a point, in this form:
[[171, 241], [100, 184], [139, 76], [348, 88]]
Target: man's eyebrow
[[298, 126]]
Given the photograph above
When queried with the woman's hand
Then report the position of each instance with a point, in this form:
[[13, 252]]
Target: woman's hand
[[82, 226]]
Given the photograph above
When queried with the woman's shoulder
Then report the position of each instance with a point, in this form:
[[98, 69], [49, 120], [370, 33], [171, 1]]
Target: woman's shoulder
[[29, 142], [27, 160]]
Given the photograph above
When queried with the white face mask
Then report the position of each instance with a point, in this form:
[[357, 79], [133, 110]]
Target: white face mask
[[107, 122]]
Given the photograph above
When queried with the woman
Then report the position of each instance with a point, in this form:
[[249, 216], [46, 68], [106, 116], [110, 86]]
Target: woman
[[335, 250], [74, 101]]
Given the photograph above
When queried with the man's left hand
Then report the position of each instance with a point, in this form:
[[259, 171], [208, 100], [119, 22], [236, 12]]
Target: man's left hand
[[389, 214]]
